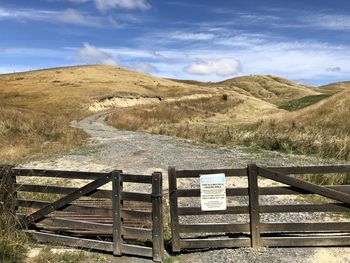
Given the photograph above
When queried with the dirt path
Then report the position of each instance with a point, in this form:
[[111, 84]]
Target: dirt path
[[137, 152]]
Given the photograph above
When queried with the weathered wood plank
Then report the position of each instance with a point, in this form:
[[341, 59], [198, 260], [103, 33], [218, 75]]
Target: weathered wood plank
[[77, 224], [52, 189], [136, 178], [334, 207], [144, 233], [137, 250], [196, 173], [254, 205], [306, 227], [117, 188], [276, 190], [289, 190], [214, 243], [196, 192], [64, 201], [134, 214], [58, 173], [84, 210], [141, 197], [312, 169], [173, 203], [323, 191], [71, 241], [157, 217], [316, 241], [198, 211], [213, 228], [8, 193]]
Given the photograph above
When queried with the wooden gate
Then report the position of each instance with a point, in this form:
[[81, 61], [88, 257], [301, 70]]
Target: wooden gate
[[255, 232], [118, 221]]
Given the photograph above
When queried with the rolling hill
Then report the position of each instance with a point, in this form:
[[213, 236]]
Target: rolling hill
[[322, 128], [272, 89], [72, 90], [334, 87], [36, 109]]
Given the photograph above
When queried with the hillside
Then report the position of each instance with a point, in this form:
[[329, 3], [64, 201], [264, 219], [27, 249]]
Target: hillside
[[73, 89], [322, 128], [36, 107], [331, 113], [272, 89], [334, 87]]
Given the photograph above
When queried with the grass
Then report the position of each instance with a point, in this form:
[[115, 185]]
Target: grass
[[25, 134], [297, 104], [156, 118], [13, 242], [47, 256], [36, 107]]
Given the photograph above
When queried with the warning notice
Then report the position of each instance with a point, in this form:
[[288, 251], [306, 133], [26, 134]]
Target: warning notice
[[213, 192]]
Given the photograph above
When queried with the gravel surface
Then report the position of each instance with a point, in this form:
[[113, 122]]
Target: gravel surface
[[142, 153]]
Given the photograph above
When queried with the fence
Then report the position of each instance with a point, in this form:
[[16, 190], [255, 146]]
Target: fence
[[118, 221], [104, 215], [253, 232]]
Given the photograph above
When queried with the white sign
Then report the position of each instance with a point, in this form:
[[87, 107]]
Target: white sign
[[213, 192]]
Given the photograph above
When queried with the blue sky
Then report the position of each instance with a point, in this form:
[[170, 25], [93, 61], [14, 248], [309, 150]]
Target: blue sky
[[302, 40]]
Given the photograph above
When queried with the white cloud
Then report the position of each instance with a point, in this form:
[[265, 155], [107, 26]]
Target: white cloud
[[72, 16], [104, 5], [2, 49], [69, 16], [329, 22], [92, 55], [144, 67], [220, 67], [191, 36]]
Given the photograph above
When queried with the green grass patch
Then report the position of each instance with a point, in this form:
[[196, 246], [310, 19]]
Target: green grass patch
[[298, 104]]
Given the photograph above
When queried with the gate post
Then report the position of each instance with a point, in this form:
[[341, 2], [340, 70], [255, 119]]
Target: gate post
[[8, 193], [117, 186], [174, 217], [157, 217], [254, 204]]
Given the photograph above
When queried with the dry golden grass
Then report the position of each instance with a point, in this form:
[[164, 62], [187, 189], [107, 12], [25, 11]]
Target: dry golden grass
[[24, 134], [203, 120], [36, 107], [323, 128], [334, 87], [264, 87]]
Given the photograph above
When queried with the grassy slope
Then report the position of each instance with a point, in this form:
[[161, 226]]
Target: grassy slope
[[303, 102], [322, 128], [265, 87], [36, 107], [334, 87]]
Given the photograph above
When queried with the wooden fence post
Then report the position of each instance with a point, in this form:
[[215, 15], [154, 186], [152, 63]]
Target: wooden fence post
[[157, 217], [174, 217], [8, 196], [117, 188], [254, 205]]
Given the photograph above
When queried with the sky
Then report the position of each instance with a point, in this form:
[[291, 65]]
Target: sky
[[307, 41]]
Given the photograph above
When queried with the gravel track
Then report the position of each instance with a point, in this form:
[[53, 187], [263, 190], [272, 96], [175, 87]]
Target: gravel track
[[142, 153]]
